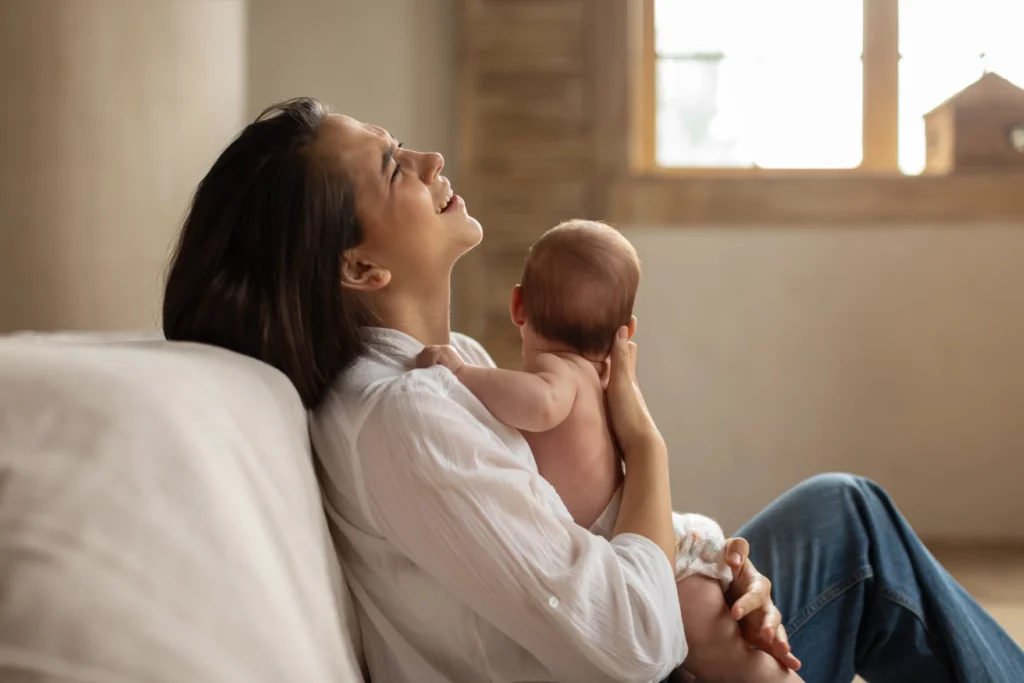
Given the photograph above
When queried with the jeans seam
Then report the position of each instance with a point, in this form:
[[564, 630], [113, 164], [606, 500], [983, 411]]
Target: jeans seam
[[906, 603], [826, 597]]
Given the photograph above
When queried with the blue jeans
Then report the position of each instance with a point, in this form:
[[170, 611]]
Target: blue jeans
[[860, 594]]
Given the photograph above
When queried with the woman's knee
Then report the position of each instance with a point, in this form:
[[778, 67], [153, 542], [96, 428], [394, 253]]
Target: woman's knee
[[833, 500], [833, 485], [838, 486]]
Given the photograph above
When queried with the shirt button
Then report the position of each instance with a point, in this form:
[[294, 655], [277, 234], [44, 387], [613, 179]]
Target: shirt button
[[553, 602]]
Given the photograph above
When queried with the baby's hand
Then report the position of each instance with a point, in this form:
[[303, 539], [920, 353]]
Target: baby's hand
[[440, 355]]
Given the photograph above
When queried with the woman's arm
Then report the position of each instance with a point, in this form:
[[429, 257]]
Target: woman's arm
[[460, 505], [646, 508]]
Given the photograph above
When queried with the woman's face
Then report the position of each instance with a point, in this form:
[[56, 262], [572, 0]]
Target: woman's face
[[414, 227]]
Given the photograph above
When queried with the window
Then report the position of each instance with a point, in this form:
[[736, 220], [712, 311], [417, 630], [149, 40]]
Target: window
[[813, 84]]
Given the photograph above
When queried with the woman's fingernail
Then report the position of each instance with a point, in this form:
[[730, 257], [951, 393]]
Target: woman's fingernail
[[740, 613], [623, 333], [735, 558]]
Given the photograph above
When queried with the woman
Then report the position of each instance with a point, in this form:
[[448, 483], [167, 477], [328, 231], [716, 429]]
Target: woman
[[317, 244]]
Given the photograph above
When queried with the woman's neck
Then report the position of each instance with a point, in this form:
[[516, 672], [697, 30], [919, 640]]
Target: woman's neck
[[425, 316]]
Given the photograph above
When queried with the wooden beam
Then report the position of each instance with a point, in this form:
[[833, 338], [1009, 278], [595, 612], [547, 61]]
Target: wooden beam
[[644, 95], [816, 200], [881, 86], [610, 97]]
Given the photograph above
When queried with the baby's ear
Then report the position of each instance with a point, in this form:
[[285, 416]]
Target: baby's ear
[[515, 306], [631, 325]]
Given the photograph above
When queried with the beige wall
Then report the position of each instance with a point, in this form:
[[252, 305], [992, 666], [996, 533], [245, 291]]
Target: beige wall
[[389, 62], [770, 355], [121, 106], [112, 111]]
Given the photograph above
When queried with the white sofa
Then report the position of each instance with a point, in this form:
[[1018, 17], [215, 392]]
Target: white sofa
[[160, 520]]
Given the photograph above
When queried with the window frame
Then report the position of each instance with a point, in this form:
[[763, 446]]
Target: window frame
[[880, 60], [629, 191]]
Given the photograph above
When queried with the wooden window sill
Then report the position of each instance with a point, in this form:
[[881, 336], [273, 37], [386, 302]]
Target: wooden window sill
[[667, 199]]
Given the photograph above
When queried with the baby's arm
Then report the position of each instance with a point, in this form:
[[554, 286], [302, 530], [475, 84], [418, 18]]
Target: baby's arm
[[529, 401]]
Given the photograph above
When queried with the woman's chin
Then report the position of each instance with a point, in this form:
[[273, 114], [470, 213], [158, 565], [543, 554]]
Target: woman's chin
[[476, 231], [469, 233], [460, 231]]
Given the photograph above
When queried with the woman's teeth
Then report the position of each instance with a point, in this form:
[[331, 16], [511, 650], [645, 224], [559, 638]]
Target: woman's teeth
[[446, 202]]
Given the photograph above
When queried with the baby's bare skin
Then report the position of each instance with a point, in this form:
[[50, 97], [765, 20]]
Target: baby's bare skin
[[578, 456]]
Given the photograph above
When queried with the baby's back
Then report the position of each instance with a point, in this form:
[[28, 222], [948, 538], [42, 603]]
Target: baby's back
[[579, 456]]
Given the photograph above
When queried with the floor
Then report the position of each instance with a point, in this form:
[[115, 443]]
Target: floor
[[995, 577]]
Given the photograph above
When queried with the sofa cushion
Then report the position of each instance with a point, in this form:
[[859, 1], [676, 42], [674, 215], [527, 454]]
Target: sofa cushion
[[160, 519]]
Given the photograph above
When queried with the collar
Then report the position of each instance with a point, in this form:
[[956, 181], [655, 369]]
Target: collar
[[392, 343]]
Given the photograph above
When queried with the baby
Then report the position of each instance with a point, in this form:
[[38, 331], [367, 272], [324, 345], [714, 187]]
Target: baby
[[577, 290]]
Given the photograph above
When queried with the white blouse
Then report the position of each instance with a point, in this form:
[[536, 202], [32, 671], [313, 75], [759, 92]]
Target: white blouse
[[464, 563]]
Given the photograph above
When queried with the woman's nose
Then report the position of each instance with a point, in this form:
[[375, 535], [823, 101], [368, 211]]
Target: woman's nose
[[433, 162]]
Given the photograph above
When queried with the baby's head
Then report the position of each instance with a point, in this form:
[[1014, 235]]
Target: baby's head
[[578, 287]]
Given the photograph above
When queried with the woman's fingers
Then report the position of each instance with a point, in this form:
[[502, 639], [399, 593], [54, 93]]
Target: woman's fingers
[[782, 653], [736, 552], [771, 624], [631, 348], [747, 604], [760, 620], [778, 646], [782, 638], [623, 360], [786, 657], [756, 594], [753, 591]]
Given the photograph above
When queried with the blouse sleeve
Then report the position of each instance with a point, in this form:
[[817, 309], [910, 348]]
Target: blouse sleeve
[[458, 503]]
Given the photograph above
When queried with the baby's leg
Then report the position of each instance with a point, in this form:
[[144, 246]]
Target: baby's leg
[[717, 650]]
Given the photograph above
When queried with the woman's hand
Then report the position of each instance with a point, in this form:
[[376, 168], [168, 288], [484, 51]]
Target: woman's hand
[[751, 597], [632, 423], [646, 505]]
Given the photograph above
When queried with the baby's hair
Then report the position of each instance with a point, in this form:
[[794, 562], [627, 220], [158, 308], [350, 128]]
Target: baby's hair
[[579, 285]]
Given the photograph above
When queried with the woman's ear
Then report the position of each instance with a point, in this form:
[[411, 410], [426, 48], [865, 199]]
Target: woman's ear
[[362, 275], [631, 326], [515, 306]]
